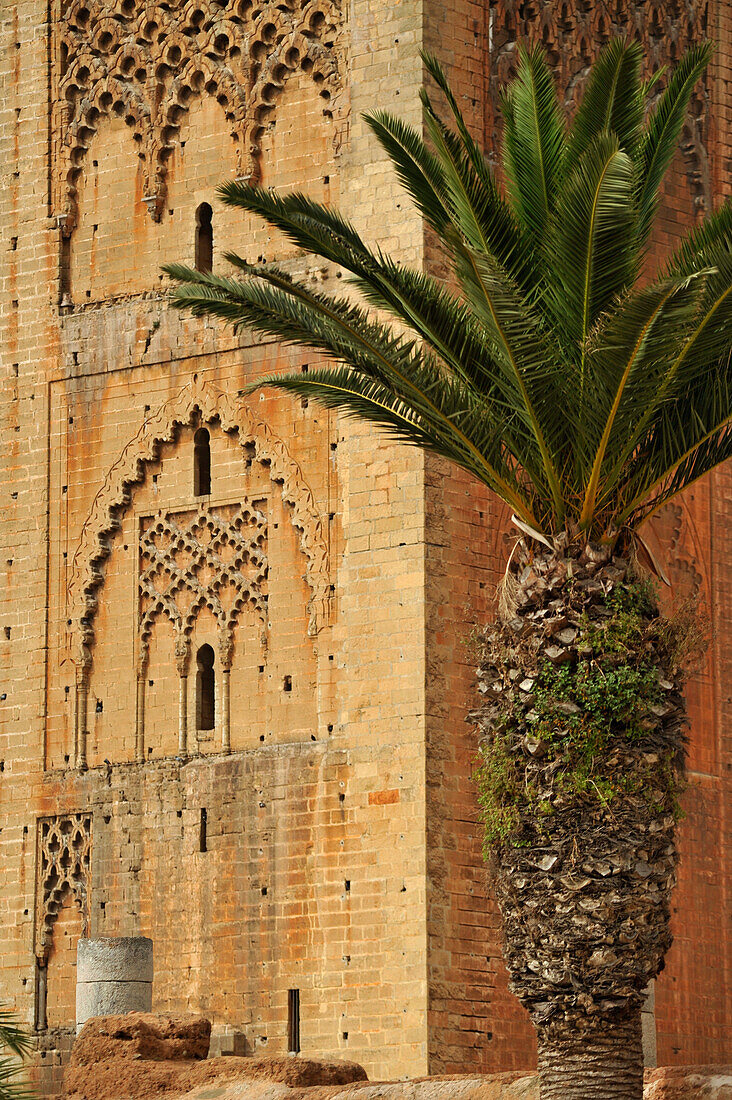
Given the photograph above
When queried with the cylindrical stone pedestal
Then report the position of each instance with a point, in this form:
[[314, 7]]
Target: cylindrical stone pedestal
[[113, 976]]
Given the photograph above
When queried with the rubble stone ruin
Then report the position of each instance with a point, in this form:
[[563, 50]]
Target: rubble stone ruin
[[234, 676]]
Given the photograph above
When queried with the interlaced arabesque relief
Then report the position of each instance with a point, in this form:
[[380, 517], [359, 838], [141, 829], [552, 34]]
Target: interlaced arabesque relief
[[195, 560], [147, 62], [63, 864], [572, 32]]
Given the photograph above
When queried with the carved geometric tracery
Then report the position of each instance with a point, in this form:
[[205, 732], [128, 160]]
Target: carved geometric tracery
[[572, 33], [146, 62], [63, 864], [195, 560]]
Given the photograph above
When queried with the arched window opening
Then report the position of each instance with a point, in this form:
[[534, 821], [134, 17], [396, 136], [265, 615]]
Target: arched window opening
[[205, 689], [201, 463], [204, 238]]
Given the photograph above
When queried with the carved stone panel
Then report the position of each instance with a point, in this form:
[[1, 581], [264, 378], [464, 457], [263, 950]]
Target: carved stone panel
[[147, 62], [202, 399], [63, 864], [192, 560]]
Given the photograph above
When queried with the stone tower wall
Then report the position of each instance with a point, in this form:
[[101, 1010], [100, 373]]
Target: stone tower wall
[[284, 848], [322, 836]]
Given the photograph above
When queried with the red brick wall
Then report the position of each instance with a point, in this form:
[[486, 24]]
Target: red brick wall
[[474, 1022]]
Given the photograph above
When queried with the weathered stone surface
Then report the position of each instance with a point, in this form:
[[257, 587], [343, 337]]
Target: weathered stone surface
[[127, 1079], [504, 1086], [115, 959], [302, 1072], [147, 1036], [136, 1076], [687, 1082], [265, 1079]]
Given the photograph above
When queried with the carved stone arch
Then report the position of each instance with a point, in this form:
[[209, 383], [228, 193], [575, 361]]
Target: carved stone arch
[[146, 49], [297, 52], [198, 398], [110, 95]]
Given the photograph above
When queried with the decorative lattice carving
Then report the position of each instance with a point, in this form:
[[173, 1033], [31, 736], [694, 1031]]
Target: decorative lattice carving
[[572, 33], [189, 561], [199, 399], [146, 63], [63, 863]]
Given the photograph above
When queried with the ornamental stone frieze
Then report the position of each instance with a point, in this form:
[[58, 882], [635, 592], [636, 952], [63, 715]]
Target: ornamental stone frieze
[[147, 62], [202, 559]]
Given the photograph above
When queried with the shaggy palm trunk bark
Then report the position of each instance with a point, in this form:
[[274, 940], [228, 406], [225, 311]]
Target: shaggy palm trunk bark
[[582, 762], [609, 1065]]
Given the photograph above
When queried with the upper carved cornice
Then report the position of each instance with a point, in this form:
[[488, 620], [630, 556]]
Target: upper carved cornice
[[147, 62]]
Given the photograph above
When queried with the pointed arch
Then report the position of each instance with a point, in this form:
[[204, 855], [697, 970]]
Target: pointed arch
[[199, 399]]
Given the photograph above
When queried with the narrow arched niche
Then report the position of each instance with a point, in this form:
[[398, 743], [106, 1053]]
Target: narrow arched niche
[[202, 463], [205, 689], [204, 238]]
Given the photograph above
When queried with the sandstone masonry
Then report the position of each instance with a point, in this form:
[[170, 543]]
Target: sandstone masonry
[[232, 663]]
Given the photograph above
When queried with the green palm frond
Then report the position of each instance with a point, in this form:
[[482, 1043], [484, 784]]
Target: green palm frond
[[276, 306], [479, 214], [533, 144], [417, 169], [450, 429], [541, 367], [613, 103], [15, 1039], [629, 358], [13, 1036], [589, 239], [12, 1083], [412, 297], [530, 361], [693, 372], [661, 137], [703, 244], [688, 440]]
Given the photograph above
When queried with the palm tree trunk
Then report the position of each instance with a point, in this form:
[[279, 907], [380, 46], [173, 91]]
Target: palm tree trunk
[[582, 763], [606, 1064]]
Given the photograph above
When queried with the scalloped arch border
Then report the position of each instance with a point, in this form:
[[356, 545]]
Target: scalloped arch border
[[115, 496]]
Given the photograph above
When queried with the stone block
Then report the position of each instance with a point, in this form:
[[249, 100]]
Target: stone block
[[227, 1042]]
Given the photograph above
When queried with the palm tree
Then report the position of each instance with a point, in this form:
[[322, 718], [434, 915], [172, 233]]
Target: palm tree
[[18, 1043], [586, 398]]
